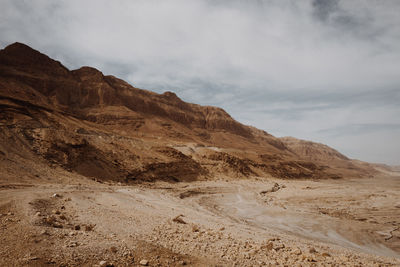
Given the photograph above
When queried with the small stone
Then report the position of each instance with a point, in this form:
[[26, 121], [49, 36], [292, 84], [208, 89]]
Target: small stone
[[73, 244], [89, 227], [297, 252], [326, 254], [57, 225], [44, 232], [103, 264], [77, 227], [313, 250], [51, 261], [269, 246], [144, 262], [37, 214], [55, 195], [278, 247], [311, 259], [275, 188], [178, 219]]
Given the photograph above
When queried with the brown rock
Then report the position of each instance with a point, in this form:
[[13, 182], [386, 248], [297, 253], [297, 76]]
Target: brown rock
[[178, 219], [313, 250], [297, 251], [268, 246], [195, 228], [279, 247], [144, 262], [89, 227]]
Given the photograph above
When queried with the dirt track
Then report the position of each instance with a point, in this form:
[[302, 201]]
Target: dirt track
[[247, 223]]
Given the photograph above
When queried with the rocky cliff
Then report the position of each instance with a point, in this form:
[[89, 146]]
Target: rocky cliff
[[103, 128]]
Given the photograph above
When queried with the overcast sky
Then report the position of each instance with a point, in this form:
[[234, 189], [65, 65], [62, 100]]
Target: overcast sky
[[321, 70]]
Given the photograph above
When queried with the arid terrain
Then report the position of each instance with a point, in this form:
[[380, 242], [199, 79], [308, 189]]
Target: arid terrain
[[206, 223], [94, 171]]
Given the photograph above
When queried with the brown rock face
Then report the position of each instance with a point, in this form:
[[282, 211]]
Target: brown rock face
[[22, 58], [87, 87], [101, 127], [311, 150]]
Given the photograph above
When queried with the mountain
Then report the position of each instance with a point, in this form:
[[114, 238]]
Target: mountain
[[323, 154], [101, 127]]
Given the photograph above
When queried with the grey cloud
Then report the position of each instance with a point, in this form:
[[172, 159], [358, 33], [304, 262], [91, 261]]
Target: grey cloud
[[324, 8]]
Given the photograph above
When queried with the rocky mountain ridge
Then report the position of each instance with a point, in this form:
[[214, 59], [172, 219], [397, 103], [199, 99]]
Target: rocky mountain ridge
[[101, 127]]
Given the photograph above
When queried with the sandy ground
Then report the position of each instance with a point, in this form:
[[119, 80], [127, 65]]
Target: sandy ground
[[205, 223]]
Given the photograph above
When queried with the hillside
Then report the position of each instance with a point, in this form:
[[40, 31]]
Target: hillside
[[101, 127]]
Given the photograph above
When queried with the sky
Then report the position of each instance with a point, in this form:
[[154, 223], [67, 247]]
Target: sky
[[320, 70]]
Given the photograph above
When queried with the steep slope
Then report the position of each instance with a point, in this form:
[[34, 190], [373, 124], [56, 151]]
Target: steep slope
[[103, 128], [79, 90], [323, 154], [312, 151]]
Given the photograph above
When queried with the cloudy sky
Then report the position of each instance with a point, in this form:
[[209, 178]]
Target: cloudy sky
[[321, 70]]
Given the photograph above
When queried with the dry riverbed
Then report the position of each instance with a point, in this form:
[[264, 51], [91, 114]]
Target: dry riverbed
[[207, 223]]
